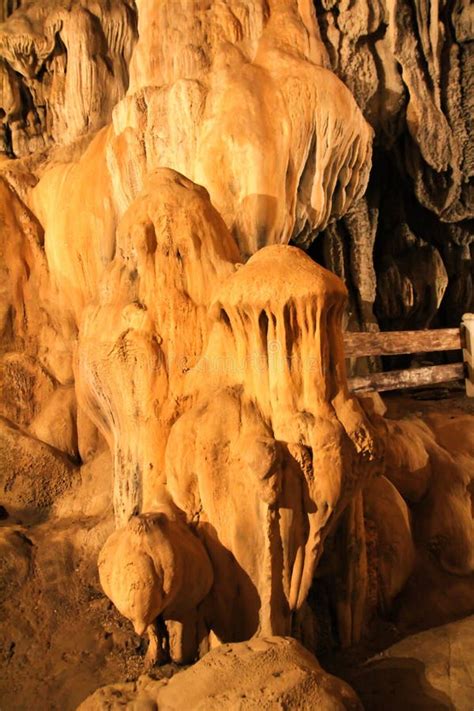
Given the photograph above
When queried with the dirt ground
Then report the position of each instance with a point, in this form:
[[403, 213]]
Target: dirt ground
[[59, 637]]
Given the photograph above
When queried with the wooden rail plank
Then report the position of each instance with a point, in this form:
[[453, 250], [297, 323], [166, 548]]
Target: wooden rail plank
[[412, 378], [467, 327], [397, 342]]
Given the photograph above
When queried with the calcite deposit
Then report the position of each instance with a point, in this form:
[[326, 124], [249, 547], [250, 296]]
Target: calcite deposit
[[231, 677], [156, 566], [274, 418], [176, 427]]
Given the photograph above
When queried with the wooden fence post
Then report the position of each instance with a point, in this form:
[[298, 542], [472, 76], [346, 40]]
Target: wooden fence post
[[468, 351]]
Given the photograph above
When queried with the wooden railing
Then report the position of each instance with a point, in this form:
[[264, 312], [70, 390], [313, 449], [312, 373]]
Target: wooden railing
[[403, 342]]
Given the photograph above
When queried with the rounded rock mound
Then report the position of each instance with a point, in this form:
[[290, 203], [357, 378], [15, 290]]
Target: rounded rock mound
[[263, 673]]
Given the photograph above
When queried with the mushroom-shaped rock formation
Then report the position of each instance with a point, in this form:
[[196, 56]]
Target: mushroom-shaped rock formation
[[274, 447], [157, 566]]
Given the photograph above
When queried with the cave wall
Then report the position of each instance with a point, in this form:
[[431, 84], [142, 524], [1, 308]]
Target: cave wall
[[405, 249]]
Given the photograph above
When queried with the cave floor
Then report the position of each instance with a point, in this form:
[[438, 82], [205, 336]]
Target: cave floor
[[449, 399]]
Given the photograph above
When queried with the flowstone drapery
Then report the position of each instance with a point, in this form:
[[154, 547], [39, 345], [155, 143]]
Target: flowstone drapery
[[274, 447], [145, 270], [232, 401], [146, 276]]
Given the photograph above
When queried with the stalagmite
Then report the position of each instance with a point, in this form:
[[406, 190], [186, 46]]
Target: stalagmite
[[290, 441]]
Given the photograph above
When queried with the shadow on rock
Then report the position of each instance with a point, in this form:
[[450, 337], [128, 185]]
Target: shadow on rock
[[401, 683]]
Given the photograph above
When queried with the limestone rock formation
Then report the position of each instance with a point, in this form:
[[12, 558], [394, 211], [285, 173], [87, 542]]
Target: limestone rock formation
[[431, 669], [268, 673], [172, 362], [63, 67], [16, 561], [275, 417], [385, 507], [173, 240], [408, 66], [156, 566], [445, 471], [32, 474]]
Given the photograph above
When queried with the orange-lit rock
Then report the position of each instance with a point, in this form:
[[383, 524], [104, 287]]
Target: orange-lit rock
[[173, 392]]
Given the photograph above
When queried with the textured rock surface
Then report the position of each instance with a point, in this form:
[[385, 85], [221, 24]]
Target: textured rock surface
[[173, 235], [32, 474], [163, 346], [283, 171], [268, 673], [275, 415], [279, 178], [156, 566], [391, 516], [414, 538], [426, 670], [63, 67], [444, 519], [408, 66]]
